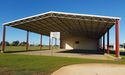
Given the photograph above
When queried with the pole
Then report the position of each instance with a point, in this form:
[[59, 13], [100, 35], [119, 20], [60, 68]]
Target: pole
[[3, 40], [117, 37], [55, 41], [27, 40], [97, 44], [108, 41], [61, 44], [104, 43], [40, 41], [49, 43]]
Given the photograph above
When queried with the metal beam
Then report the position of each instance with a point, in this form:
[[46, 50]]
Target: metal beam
[[3, 40], [104, 43], [40, 41], [50, 43], [55, 41], [117, 38], [61, 45], [97, 44], [108, 41], [27, 40]]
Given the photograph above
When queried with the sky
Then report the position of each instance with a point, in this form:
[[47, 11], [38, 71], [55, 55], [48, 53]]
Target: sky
[[15, 9]]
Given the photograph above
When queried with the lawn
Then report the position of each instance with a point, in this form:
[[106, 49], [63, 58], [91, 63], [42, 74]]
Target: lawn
[[121, 52], [122, 56], [23, 48], [12, 64]]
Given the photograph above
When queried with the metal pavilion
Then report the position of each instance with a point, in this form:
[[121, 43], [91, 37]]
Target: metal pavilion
[[70, 25]]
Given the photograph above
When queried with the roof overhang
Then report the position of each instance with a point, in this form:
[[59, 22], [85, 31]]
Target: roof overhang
[[67, 23]]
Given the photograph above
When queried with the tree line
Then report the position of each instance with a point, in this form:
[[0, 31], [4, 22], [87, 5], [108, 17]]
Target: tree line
[[14, 43]]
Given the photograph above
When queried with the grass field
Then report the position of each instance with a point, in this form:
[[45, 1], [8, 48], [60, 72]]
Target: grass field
[[122, 56], [23, 48], [19, 48], [12, 64]]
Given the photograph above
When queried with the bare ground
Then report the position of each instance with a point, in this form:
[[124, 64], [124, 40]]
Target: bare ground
[[91, 69]]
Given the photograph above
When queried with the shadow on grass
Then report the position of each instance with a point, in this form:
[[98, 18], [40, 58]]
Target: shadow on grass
[[16, 51], [81, 51]]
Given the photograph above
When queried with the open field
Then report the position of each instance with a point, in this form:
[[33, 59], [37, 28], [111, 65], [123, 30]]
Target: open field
[[12, 64], [23, 48]]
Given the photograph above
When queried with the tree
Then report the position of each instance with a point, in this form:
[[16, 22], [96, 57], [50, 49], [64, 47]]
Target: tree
[[15, 43], [22, 43], [32, 45], [6, 43], [124, 45]]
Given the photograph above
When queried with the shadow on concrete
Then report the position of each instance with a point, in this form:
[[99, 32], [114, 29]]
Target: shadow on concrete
[[81, 51]]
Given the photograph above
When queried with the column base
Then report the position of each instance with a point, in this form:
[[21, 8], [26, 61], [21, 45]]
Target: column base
[[2, 51], [118, 58], [113, 57]]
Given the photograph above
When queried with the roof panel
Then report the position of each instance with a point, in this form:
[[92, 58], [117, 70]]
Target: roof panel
[[66, 23]]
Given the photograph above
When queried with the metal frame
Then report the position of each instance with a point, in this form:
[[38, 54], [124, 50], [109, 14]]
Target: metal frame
[[46, 22], [83, 17], [108, 41], [40, 41], [50, 43], [55, 41], [27, 40], [97, 44], [117, 38], [3, 39], [53, 13], [104, 42]]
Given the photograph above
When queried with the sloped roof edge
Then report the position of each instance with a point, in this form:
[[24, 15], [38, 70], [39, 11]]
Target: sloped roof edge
[[65, 13]]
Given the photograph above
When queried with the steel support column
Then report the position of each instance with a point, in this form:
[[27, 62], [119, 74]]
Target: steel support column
[[108, 41], [55, 41], [61, 45], [117, 38], [40, 41], [104, 43], [27, 40], [3, 39], [50, 42], [97, 44]]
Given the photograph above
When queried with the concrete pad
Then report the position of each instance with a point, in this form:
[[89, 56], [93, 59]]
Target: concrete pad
[[74, 55], [91, 69]]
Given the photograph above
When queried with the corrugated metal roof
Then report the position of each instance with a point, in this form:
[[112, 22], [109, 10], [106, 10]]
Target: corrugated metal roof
[[64, 13], [67, 23]]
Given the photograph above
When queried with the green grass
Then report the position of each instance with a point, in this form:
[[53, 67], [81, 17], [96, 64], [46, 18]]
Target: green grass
[[121, 52], [122, 56], [23, 48], [12, 64]]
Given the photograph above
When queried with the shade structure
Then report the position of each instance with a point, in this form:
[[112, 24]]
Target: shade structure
[[78, 31], [91, 26]]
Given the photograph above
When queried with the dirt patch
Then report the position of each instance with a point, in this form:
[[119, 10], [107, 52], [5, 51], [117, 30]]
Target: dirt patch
[[91, 69]]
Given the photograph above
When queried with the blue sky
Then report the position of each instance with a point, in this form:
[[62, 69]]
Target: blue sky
[[16, 9]]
